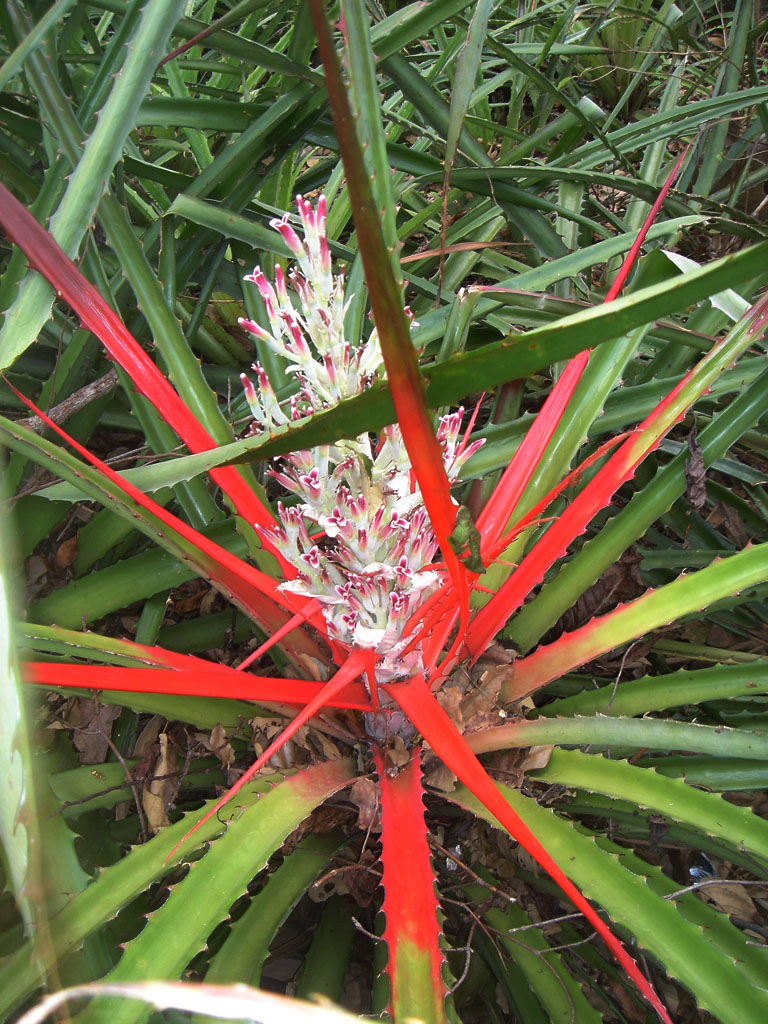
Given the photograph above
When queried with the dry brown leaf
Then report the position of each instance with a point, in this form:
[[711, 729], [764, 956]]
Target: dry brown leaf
[[315, 669], [731, 899], [148, 736], [266, 769], [484, 721], [729, 518], [324, 745], [439, 777], [218, 744], [629, 1006], [695, 473], [206, 605], [494, 679], [483, 698], [35, 570], [621, 581], [66, 552], [528, 862], [159, 791], [364, 794], [495, 655], [450, 699], [536, 757], [397, 752], [361, 881], [505, 765], [91, 725]]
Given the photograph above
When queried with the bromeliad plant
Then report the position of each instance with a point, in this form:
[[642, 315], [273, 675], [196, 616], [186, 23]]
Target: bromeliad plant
[[377, 594]]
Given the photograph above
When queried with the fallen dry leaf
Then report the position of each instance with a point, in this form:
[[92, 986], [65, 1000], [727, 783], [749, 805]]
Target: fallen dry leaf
[[695, 473], [732, 899], [364, 794], [483, 698], [66, 552], [361, 881], [398, 754], [91, 725], [148, 736], [536, 757], [450, 699], [159, 791], [324, 745], [218, 744], [437, 776]]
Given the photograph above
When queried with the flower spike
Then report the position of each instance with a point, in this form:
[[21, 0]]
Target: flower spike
[[368, 564]]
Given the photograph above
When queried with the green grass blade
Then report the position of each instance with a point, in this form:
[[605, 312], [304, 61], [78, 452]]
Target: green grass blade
[[213, 884], [245, 949], [14, 61], [92, 169], [366, 103], [20, 836], [657, 693], [544, 970], [118, 884]]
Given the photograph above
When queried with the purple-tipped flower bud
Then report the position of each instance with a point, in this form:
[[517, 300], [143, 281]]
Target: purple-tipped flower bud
[[254, 328], [289, 236], [248, 388]]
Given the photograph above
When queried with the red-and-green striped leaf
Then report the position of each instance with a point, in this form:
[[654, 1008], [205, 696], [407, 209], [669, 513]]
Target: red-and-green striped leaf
[[359, 662], [254, 591], [496, 515], [417, 989], [657, 608]]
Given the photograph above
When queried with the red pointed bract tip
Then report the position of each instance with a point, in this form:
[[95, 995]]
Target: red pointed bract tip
[[495, 517]]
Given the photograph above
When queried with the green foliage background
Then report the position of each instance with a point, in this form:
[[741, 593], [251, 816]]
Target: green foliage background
[[551, 126]]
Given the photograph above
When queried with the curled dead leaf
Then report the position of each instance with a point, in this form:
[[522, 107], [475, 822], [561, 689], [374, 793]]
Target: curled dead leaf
[[91, 725], [159, 791], [695, 473], [437, 776], [323, 744], [66, 552], [450, 698], [732, 898], [218, 744], [364, 794], [536, 757], [483, 698]]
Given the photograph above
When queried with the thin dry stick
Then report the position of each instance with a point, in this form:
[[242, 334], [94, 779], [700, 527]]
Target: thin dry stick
[[77, 400]]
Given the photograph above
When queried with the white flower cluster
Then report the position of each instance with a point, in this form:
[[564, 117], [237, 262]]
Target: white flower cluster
[[368, 561]]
